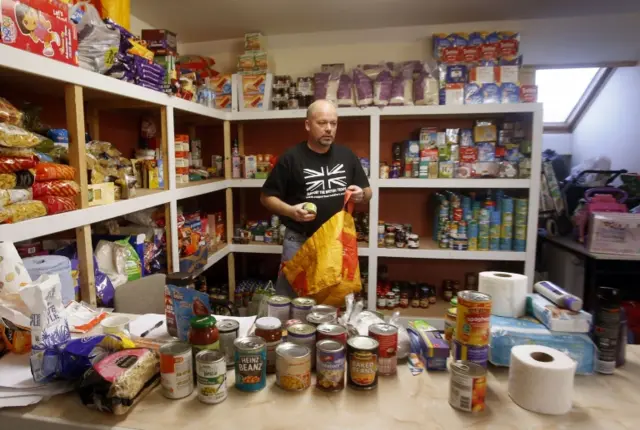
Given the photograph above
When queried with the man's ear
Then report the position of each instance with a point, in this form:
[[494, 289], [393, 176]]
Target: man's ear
[[307, 126]]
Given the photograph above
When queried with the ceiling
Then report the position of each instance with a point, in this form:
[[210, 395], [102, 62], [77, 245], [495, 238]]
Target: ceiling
[[203, 20]]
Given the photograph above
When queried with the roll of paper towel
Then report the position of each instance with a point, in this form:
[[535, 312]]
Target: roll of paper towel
[[541, 379], [13, 274], [507, 290]]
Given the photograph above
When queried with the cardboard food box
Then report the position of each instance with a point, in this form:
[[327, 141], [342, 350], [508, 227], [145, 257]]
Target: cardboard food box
[[614, 233], [41, 27], [102, 194], [160, 40]]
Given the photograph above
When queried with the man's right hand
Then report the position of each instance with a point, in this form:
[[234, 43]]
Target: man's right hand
[[300, 215]]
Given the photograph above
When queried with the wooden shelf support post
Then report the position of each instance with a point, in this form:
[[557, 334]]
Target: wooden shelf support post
[[231, 263], [74, 105]]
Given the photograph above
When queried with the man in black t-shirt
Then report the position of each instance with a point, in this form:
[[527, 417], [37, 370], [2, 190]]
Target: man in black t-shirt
[[316, 171]]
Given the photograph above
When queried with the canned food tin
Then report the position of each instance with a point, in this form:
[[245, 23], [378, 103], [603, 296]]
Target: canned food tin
[[293, 367], [176, 370], [450, 324], [473, 353], [332, 331], [474, 315], [384, 171], [270, 329], [228, 330], [468, 386], [301, 307], [387, 337], [251, 363], [279, 307], [325, 309], [330, 364], [211, 369], [362, 369], [304, 334], [316, 318]]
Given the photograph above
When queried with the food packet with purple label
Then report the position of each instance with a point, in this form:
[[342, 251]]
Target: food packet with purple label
[[425, 87], [491, 93], [345, 91], [382, 88], [402, 86], [363, 88], [510, 93]]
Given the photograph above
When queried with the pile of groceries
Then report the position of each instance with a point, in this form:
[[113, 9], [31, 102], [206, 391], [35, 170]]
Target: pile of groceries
[[543, 337]]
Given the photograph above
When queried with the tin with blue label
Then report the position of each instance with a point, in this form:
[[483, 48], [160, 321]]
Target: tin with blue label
[[250, 363]]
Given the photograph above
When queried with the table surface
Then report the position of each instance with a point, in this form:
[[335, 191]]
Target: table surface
[[570, 243], [400, 402]]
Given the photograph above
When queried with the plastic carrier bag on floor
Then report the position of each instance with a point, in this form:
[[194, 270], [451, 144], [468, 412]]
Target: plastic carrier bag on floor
[[326, 266]]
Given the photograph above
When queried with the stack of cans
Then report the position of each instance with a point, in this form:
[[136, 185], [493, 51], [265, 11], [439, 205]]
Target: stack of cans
[[506, 228], [494, 230], [520, 228]]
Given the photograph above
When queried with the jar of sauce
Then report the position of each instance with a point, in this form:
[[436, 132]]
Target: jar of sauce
[[391, 300], [404, 299], [424, 297], [415, 296], [203, 335], [270, 329]]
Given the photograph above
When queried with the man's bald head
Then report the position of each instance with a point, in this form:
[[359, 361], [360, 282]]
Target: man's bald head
[[321, 123], [321, 106]]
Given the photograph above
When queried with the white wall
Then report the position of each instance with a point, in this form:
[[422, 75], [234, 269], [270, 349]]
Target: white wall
[[611, 125], [544, 41], [137, 25], [560, 142]]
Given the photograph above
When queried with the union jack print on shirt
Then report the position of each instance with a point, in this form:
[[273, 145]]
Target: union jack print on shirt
[[325, 178]]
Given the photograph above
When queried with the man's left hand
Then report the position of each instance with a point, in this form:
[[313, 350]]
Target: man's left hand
[[357, 194]]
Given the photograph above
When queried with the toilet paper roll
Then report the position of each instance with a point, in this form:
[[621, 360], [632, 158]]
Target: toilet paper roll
[[507, 290], [541, 379], [13, 274]]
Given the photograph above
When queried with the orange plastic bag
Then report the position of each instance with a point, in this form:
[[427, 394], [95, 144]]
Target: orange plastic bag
[[326, 265]]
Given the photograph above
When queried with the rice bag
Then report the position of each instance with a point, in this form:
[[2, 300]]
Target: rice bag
[[57, 204], [60, 188], [9, 197], [14, 164], [345, 91], [363, 88], [52, 171], [402, 85], [22, 211], [119, 381], [425, 88], [382, 88]]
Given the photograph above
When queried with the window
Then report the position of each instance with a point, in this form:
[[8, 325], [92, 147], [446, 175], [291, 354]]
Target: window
[[566, 93]]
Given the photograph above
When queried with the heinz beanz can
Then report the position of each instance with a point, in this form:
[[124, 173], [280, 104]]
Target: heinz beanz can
[[211, 369], [251, 363], [468, 386], [330, 365], [474, 316], [176, 370]]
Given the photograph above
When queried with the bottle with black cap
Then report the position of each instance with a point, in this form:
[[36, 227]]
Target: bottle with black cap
[[606, 329]]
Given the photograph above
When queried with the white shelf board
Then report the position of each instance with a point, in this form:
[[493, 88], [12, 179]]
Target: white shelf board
[[69, 220], [454, 183], [246, 183], [429, 249], [480, 109], [257, 248], [297, 114], [214, 258], [196, 188], [198, 109]]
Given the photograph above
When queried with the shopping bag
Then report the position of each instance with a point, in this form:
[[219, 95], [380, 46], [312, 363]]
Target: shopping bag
[[326, 265]]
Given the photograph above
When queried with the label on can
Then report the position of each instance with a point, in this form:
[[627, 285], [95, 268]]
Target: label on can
[[474, 316], [211, 370], [387, 337], [279, 307], [251, 364], [330, 364], [332, 331], [362, 371], [468, 387], [293, 367], [472, 353], [176, 371]]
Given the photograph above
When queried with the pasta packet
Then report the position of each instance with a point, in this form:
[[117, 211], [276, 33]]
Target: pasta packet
[[57, 204], [9, 114], [22, 211], [14, 164], [23, 179], [12, 136], [52, 171], [60, 188], [9, 197]]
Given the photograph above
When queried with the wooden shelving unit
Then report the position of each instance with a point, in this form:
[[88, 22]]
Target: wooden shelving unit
[[86, 93]]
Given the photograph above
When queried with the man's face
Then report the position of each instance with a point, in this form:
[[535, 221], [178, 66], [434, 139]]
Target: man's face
[[322, 126]]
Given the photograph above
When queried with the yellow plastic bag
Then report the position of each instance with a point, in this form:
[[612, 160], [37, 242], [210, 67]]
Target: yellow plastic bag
[[326, 265]]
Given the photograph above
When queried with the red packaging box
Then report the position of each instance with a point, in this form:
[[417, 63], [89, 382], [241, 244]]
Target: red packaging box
[[41, 27], [468, 154]]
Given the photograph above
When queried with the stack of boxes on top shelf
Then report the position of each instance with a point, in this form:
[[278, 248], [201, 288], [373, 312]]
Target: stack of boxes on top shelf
[[182, 158], [164, 45], [253, 82], [481, 67]]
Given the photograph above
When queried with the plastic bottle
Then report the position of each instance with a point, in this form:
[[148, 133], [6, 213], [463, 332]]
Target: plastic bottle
[[606, 329]]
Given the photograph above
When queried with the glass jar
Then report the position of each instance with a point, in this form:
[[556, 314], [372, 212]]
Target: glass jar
[[404, 299], [432, 295], [270, 329], [424, 297], [381, 301], [391, 300], [447, 290], [415, 295], [203, 335]]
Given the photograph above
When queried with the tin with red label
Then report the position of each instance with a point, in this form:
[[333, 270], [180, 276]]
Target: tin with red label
[[176, 371], [332, 331], [387, 337]]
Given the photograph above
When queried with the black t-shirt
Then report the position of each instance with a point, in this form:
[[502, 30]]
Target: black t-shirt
[[302, 175]]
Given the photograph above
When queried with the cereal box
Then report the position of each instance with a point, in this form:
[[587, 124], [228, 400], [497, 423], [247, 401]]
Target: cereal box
[[41, 27]]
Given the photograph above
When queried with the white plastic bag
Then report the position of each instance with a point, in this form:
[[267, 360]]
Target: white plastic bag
[[97, 42]]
